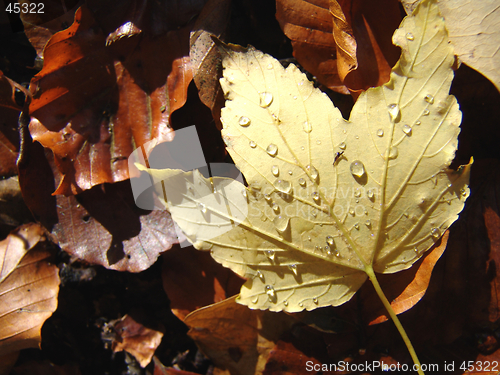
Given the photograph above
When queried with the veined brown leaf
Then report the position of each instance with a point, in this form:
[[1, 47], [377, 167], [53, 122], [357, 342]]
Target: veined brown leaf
[[331, 201]]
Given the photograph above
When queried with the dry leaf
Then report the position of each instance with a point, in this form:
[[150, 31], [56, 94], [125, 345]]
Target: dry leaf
[[192, 279], [124, 237], [345, 44], [40, 26], [135, 339], [94, 104], [9, 136], [235, 337], [205, 56], [330, 201], [29, 285]]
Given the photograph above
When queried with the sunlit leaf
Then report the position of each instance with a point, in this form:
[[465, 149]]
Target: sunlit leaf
[[29, 285], [330, 200]]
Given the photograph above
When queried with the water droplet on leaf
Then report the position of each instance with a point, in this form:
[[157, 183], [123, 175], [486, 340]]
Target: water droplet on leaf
[[293, 268], [329, 241], [281, 223], [380, 133], [302, 182], [252, 144], [283, 186], [426, 112], [315, 196], [244, 121], [342, 145], [272, 149], [313, 172], [351, 211], [368, 223], [276, 208], [266, 98], [202, 208], [307, 127], [357, 168], [435, 232], [393, 153], [429, 99], [270, 254], [271, 293], [267, 197], [275, 170], [261, 276], [394, 112], [410, 36], [407, 129]]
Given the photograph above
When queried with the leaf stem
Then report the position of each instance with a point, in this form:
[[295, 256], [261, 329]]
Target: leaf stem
[[373, 278]]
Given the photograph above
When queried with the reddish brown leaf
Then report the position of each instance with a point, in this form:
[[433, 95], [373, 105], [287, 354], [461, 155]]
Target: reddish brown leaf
[[349, 47], [135, 339], [101, 225], [235, 337], [309, 25], [193, 279], [94, 104], [28, 289], [205, 57], [9, 136], [40, 26]]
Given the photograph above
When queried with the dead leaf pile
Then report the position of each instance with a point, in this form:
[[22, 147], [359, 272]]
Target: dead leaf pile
[[110, 77]]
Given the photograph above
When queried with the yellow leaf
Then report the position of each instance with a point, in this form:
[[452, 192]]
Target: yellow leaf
[[474, 31], [329, 200]]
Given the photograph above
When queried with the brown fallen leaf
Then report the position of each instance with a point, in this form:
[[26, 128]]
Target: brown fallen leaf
[[29, 285], [134, 338], [39, 26], [193, 279], [205, 58], [345, 44], [94, 104], [9, 136], [102, 225], [235, 337]]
